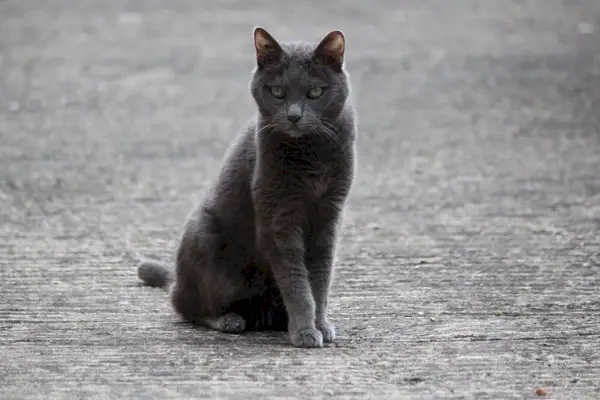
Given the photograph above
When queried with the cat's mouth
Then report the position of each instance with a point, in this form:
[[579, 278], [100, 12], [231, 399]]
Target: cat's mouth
[[295, 132]]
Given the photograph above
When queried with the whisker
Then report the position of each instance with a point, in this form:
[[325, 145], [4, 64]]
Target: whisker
[[329, 133], [267, 126]]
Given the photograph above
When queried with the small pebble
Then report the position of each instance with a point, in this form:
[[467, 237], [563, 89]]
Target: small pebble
[[14, 106]]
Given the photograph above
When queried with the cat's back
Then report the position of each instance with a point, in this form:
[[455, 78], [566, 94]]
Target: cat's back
[[230, 198], [240, 157]]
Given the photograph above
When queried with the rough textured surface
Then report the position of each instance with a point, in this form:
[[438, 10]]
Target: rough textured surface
[[470, 260]]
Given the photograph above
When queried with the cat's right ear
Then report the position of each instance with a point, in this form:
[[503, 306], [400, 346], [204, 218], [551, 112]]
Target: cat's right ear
[[267, 48]]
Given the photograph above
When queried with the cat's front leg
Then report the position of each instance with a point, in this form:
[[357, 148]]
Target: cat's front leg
[[280, 240], [320, 257], [319, 262]]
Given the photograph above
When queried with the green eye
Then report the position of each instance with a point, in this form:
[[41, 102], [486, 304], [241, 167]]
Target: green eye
[[315, 92], [277, 92]]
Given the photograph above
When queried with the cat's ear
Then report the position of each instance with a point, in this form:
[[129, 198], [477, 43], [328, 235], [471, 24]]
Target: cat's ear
[[330, 51], [267, 48]]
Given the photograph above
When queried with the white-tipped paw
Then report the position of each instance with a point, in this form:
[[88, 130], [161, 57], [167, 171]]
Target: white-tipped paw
[[228, 323], [307, 338]]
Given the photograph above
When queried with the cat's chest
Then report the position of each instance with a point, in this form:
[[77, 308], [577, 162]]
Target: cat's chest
[[316, 180]]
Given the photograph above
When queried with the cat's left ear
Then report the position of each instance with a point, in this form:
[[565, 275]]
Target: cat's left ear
[[267, 48], [330, 51]]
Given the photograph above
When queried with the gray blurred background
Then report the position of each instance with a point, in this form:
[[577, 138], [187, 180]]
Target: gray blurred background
[[469, 265]]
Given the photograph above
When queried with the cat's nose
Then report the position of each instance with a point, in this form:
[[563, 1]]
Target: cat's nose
[[294, 117], [294, 113]]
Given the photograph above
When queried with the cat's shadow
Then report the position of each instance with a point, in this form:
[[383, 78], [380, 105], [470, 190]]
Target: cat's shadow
[[197, 334], [194, 333]]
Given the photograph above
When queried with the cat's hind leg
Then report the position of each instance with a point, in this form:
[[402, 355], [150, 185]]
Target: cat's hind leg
[[188, 303], [210, 276], [197, 303]]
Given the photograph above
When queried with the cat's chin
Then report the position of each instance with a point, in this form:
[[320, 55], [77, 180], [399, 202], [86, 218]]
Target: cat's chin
[[295, 133]]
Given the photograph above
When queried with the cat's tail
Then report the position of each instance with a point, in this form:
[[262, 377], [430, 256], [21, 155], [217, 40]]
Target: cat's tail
[[155, 274]]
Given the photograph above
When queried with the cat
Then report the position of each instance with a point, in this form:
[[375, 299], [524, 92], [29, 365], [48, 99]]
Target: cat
[[258, 252]]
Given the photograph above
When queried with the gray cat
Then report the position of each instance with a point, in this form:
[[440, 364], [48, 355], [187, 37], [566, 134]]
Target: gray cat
[[258, 252]]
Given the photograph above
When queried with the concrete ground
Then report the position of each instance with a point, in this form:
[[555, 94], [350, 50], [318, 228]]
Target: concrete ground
[[470, 261]]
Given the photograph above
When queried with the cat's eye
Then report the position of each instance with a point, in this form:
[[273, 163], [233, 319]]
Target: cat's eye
[[315, 92], [277, 92]]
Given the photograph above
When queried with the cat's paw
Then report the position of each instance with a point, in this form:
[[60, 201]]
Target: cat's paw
[[229, 323], [327, 330], [308, 338]]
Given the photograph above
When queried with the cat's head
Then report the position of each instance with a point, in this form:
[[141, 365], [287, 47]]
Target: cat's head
[[300, 88]]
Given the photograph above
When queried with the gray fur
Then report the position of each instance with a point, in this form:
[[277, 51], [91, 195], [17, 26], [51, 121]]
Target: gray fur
[[155, 274], [258, 252]]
